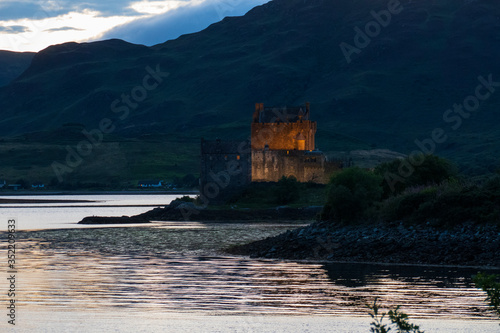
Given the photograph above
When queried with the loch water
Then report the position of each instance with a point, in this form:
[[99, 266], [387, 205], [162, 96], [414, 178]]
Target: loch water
[[176, 277]]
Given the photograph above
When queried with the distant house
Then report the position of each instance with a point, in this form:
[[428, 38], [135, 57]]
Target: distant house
[[37, 186], [150, 183]]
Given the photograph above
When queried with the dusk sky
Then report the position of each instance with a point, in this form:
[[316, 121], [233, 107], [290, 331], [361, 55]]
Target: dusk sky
[[32, 25]]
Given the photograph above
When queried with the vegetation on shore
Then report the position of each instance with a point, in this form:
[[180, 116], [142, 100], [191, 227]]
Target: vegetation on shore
[[490, 285], [432, 194], [287, 191], [399, 320], [433, 216]]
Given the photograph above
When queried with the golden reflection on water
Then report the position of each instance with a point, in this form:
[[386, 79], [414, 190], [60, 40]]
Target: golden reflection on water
[[163, 269]]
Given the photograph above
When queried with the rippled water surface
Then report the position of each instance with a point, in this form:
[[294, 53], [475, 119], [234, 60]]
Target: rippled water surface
[[180, 267], [178, 271]]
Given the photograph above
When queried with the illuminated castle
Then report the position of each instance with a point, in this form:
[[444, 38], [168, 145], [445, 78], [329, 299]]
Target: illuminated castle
[[282, 143]]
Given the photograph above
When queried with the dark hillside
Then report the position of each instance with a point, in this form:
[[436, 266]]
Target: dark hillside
[[12, 64], [396, 90]]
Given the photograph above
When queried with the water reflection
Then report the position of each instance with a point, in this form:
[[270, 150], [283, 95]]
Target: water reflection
[[358, 275], [170, 269], [422, 291]]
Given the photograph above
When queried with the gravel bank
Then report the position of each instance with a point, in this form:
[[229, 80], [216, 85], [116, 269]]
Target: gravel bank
[[467, 244]]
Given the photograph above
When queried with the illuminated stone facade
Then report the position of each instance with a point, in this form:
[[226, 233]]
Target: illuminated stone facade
[[282, 128], [271, 165], [282, 144]]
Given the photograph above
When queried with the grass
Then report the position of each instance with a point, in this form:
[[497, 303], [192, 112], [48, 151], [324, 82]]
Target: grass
[[114, 161]]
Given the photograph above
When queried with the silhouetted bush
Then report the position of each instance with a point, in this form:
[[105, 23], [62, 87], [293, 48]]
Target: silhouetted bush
[[445, 205], [287, 190], [186, 198], [489, 284], [350, 194], [403, 174]]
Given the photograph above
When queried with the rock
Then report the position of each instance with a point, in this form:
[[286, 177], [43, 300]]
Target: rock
[[112, 220], [391, 244]]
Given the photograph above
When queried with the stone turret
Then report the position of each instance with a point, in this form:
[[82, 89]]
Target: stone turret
[[279, 127]]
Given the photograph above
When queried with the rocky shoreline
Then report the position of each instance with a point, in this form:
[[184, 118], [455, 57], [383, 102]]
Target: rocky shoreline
[[464, 245], [112, 220], [186, 211], [467, 244]]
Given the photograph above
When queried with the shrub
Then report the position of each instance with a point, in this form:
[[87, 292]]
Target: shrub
[[350, 194], [432, 170], [492, 186], [491, 286], [186, 198], [410, 204], [399, 321], [287, 190]]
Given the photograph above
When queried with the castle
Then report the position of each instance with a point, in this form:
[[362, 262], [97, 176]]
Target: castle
[[282, 143]]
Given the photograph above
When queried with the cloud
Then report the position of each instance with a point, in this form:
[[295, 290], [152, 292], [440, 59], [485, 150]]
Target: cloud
[[36, 9], [104, 7], [14, 10], [32, 25], [183, 20], [63, 29], [14, 29]]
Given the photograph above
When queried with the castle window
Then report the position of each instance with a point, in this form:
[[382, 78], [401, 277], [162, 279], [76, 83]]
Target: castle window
[[238, 157], [225, 158]]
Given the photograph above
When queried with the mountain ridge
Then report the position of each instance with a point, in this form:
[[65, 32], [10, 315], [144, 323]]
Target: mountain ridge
[[395, 91], [12, 64]]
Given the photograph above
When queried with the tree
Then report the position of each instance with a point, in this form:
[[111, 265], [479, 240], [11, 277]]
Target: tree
[[401, 174], [287, 190], [350, 193]]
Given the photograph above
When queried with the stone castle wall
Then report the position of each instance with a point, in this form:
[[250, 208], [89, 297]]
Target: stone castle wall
[[225, 168], [271, 165], [283, 136], [282, 144]]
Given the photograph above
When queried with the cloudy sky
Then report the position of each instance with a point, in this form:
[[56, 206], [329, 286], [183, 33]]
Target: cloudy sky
[[32, 25]]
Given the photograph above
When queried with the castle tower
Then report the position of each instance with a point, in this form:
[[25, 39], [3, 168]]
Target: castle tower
[[283, 128], [282, 144], [282, 141]]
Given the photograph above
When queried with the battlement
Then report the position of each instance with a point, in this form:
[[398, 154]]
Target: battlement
[[285, 114]]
